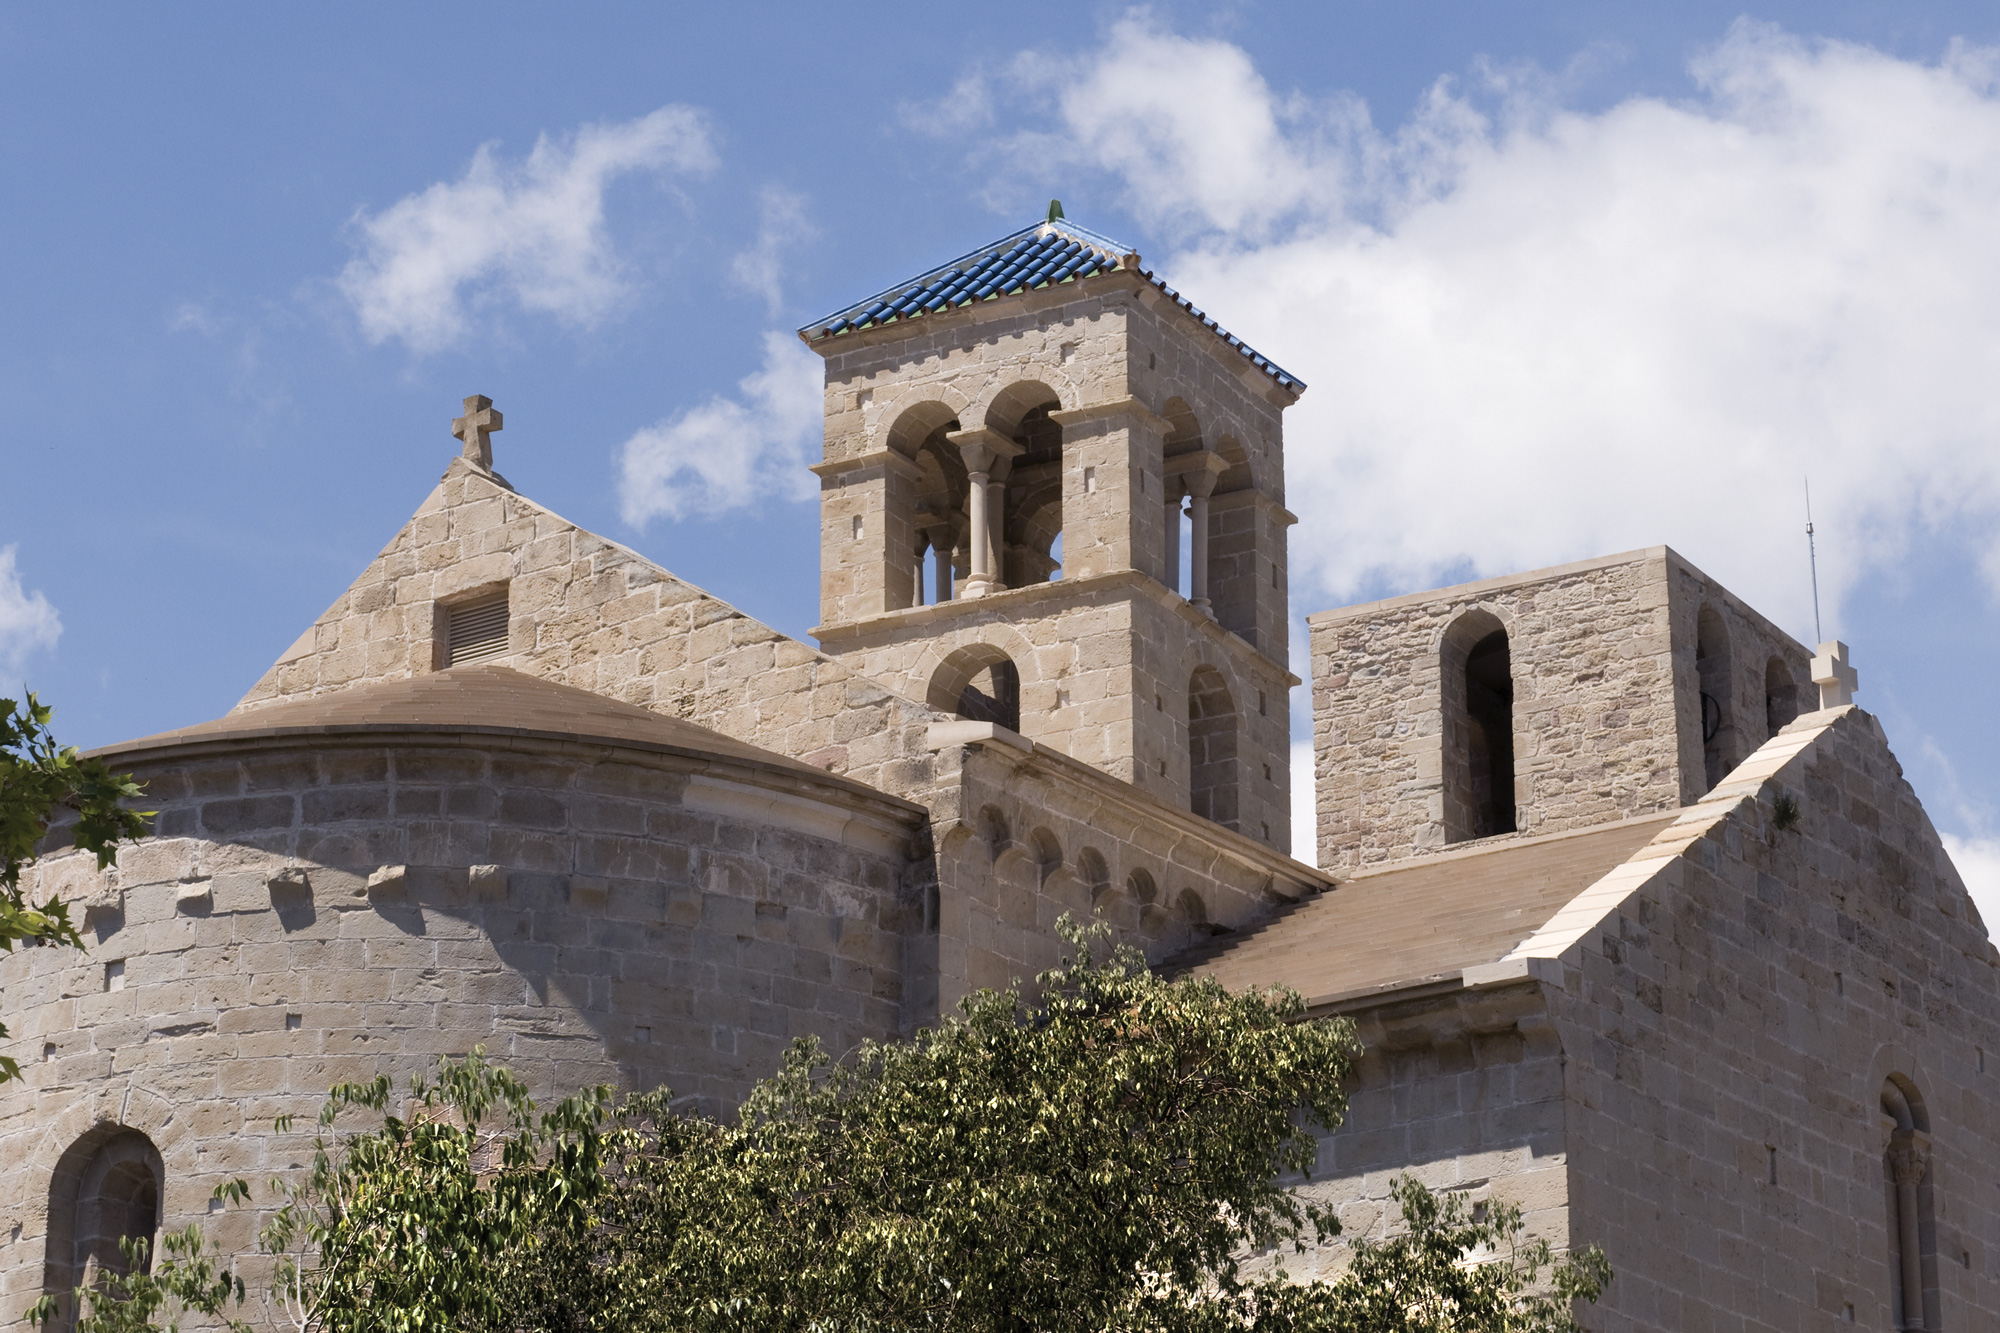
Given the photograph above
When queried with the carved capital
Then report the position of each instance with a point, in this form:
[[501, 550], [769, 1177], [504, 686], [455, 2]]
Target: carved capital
[[980, 448], [1909, 1157]]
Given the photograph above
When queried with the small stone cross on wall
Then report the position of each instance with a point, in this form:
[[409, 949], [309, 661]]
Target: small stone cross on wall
[[476, 428]]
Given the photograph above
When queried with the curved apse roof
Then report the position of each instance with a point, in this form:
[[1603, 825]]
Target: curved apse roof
[[1044, 255], [480, 700]]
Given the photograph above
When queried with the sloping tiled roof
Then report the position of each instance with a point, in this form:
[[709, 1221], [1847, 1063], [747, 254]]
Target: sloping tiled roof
[[1044, 255], [1423, 921]]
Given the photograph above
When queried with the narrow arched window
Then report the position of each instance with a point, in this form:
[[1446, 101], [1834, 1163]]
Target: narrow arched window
[[1781, 697], [1718, 711], [1476, 685], [104, 1198], [1212, 726], [1906, 1177]]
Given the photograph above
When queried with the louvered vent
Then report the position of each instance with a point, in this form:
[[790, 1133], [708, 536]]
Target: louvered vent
[[478, 630]]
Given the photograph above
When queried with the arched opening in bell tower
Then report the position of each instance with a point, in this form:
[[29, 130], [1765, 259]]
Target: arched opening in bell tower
[[1028, 519], [1476, 684], [978, 683]]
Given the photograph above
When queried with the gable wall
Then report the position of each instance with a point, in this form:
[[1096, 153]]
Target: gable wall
[[1753, 994], [587, 612]]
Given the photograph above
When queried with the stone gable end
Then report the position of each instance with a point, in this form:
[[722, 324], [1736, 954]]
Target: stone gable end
[[585, 611]]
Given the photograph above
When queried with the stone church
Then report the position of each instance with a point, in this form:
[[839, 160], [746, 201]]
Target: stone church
[[1640, 922]]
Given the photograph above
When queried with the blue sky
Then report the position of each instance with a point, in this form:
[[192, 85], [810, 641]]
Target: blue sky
[[1565, 278]]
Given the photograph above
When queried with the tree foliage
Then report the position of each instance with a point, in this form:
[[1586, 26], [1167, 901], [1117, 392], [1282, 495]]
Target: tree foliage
[[38, 779], [1108, 1158], [186, 1280]]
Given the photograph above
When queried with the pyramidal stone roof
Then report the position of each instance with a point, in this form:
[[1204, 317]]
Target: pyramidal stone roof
[[1046, 254]]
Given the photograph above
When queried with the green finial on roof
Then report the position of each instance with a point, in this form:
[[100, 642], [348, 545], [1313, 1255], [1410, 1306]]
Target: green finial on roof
[[1055, 209]]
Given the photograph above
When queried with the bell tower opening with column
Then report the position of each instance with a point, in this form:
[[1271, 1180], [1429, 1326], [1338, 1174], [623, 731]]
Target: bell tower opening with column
[[1016, 444]]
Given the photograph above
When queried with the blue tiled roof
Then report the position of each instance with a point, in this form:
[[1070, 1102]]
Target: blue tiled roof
[[1043, 255]]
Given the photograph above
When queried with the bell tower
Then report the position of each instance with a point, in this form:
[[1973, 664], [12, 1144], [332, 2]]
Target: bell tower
[[1052, 498]]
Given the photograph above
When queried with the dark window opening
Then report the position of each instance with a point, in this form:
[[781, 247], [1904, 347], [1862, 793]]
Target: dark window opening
[[1781, 697], [1718, 722], [1477, 687], [1489, 706]]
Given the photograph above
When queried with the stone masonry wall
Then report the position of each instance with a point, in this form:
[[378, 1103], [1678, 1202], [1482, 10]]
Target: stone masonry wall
[[241, 963], [1594, 718], [1026, 835], [1104, 673], [1607, 700], [1730, 1021], [1464, 1094]]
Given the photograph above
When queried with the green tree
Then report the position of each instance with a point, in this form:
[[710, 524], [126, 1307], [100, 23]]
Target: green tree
[[184, 1281], [39, 779], [1105, 1158]]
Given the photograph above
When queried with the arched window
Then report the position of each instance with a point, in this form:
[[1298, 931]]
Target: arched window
[[1183, 437], [924, 521], [980, 684], [1234, 581], [105, 1189], [1906, 1172], [1031, 519], [1476, 685], [1718, 713], [1212, 777], [1781, 696]]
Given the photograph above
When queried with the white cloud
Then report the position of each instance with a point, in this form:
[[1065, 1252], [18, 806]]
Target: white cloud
[[731, 452], [1535, 334], [531, 231], [1978, 862], [27, 620], [781, 225]]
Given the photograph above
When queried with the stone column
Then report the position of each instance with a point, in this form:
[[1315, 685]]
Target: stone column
[[1907, 1163], [1200, 485], [996, 522], [1173, 571], [980, 449], [943, 538]]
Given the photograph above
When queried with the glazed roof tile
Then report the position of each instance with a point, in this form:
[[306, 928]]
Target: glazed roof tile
[[1044, 255]]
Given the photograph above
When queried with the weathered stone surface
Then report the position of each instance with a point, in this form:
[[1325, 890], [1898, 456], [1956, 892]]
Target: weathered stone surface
[[1607, 701]]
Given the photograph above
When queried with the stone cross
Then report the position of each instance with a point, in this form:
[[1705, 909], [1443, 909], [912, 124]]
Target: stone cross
[[476, 428], [1837, 680]]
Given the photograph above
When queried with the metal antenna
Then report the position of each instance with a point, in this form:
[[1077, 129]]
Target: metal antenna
[[1812, 554]]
